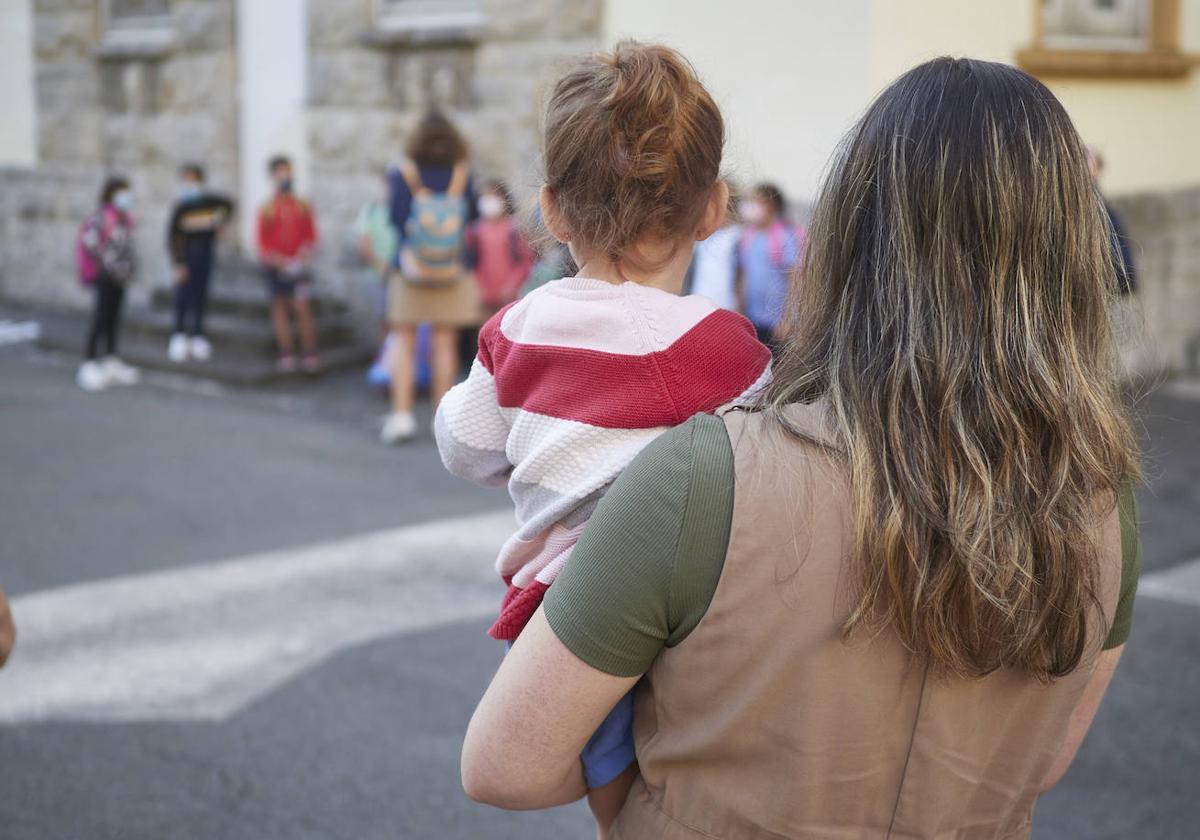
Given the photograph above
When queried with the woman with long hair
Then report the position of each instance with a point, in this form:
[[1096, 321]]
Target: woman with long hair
[[886, 600], [433, 201]]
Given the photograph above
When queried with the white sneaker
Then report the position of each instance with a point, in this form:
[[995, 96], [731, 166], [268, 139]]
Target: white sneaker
[[200, 349], [177, 349], [91, 376], [120, 373], [398, 426]]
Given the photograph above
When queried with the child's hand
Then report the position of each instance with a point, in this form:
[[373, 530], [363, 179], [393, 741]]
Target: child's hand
[[181, 274]]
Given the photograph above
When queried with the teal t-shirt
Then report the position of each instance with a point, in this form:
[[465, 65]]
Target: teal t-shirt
[[375, 222]]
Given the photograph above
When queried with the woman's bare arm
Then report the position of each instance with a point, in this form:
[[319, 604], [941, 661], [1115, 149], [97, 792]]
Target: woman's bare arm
[[523, 744], [1082, 716]]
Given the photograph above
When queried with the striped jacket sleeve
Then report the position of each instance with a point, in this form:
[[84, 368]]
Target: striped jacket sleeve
[[471, 430]]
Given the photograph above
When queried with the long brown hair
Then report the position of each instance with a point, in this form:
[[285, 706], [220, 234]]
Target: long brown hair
[[952, 313], [632, 149], [436, 142]]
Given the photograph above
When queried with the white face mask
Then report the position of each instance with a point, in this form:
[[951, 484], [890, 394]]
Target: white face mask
[[123, 200], [490, 206], [751, 211]]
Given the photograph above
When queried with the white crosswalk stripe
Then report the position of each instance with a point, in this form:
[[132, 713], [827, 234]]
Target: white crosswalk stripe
[[1178, 584], [201, 642], [18, 332]]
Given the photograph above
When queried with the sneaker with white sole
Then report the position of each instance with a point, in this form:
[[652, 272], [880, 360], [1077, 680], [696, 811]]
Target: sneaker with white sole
[[200, 349], [398, 426], [177, 349], [120, 373], [91, 376]]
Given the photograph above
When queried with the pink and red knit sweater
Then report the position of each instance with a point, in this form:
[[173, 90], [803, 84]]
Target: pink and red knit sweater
[[570, 383]]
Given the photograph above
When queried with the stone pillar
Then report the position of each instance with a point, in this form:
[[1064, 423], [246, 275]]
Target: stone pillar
[[272, 54]]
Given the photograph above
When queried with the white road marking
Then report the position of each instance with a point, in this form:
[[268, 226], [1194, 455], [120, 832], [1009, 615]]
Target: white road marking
[[18, 332], [202, 642], [1178, 584]]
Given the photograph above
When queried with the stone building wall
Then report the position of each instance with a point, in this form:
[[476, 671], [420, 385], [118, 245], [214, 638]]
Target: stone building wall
[[367, 89], [137, 109], [1165, 229]]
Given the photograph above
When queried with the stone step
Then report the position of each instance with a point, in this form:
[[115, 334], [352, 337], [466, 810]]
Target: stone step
[[244, 298], [228, 366], [239, 334]]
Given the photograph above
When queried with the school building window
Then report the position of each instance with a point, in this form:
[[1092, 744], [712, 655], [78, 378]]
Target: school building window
[[1105, 38]]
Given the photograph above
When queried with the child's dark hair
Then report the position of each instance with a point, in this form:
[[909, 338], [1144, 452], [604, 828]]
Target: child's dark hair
[[436, 142], [193, 170], [278, 161], [501, 189], [632, 148], [113, 184], [771, 194]]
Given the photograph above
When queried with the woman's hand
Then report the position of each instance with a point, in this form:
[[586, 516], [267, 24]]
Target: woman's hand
[[8, 631], [523, 744]]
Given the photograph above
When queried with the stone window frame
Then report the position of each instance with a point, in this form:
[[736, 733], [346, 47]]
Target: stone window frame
[[426, 22], [147, 37], [1159, 57]]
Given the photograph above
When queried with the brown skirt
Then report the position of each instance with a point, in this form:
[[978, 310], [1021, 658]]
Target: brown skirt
[[454, 305]]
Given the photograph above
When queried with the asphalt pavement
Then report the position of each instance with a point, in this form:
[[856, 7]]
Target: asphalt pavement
[[149, 722]]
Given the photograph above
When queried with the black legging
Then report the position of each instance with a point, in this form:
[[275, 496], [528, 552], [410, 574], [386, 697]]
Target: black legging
[[106, 316]]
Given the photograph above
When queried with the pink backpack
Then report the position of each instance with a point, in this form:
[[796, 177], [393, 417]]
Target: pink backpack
[[87, 261]]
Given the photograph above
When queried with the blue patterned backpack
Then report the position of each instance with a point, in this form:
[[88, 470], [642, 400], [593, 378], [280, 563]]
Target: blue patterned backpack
[[432, 253]]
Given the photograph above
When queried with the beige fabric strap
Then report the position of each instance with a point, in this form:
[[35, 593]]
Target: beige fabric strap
[[458, 179], [412, 177]]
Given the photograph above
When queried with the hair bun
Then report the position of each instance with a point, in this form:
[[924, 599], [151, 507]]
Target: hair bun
[[632, 147]]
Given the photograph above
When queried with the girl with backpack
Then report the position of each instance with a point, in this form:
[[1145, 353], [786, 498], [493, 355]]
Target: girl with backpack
[[769, 249], [497, 251], [433, 202], [107, 261]]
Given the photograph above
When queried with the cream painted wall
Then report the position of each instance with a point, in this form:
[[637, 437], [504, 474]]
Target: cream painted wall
[[18, 128], [1149, 130], [789, 77], [792, 77]]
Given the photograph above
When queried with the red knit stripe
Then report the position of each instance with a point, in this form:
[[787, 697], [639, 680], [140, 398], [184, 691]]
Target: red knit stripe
[[710, 364], [516, 609]]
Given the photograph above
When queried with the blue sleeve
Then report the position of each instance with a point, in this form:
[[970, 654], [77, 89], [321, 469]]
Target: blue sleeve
[[791, 249], [401, 200], [472, 203]]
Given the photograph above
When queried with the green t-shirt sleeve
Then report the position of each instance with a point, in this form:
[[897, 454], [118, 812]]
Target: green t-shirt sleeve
[[1131, 568], [645, 569]]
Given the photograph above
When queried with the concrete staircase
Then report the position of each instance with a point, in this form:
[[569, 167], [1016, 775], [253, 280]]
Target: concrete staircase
[[238, 326]]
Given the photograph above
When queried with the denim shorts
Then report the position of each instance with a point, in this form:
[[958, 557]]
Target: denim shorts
[[609, 751]]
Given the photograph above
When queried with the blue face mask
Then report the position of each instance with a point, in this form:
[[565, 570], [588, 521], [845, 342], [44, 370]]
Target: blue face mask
[[123, 200], [189, 191]]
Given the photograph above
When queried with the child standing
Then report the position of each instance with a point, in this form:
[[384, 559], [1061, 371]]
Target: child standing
[[769, 250], [573, 380], [287, 234], [108, 240], [496, 250], [197, 219]]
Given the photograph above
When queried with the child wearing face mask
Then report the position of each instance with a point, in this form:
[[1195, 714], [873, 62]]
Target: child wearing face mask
[[287, 235], [497, 251], [198, 217], [108, 240], [769, 250]]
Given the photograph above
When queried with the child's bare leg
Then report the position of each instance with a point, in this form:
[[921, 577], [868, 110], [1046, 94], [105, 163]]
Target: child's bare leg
[[607, 801]]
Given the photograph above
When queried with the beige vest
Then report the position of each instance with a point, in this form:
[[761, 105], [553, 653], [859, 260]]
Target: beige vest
[[763, 723]]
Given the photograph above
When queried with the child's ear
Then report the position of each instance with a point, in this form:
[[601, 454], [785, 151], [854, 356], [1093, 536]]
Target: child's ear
[[714, 211], [550, 215]]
